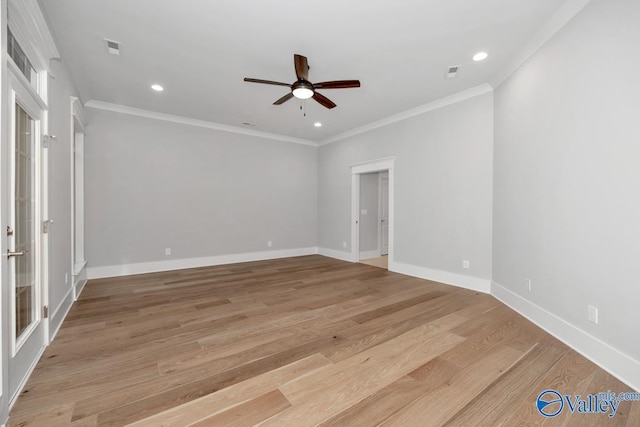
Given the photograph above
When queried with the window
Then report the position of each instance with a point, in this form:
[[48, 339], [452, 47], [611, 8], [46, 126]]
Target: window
[[22, 62]]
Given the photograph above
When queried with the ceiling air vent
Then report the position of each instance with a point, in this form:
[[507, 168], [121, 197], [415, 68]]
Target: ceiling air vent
[[452, 71], [113, 47]]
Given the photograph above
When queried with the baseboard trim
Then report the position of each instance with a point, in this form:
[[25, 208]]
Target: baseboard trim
[[332, 253], [608, 358], [447, 277], [79, 281], [60, 313], [180, 264], [13, 399], [79, 287], [370, 254]]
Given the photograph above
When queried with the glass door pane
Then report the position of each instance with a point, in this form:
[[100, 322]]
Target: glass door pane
[[25, 232]]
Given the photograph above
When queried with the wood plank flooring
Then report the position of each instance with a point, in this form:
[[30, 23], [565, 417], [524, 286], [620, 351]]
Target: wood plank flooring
[[306, 341]]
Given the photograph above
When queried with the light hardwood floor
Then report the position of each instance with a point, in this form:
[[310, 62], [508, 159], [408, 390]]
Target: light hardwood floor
[[301, 342], [380, 262]]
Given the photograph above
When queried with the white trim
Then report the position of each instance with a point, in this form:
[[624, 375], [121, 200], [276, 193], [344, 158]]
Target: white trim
[[78, 288], [23, 383], [77, 110], [17, 74], [123, 109], [386, 164], [602, 354], [179, 264], [447, 277], [332, 253], [558, 20], [63, 308], [375, 165], [370, 254], [381, 178], [434, 105], [78, 266], [77, 187], [28, 25]]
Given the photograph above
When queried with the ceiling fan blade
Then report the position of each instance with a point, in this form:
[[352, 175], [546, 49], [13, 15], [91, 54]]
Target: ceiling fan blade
[[266, 82], [302, 67], [337, 84], [323, 100], [284, 99]]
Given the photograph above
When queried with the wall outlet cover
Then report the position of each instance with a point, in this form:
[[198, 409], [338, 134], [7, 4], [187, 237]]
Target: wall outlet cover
[[592, 314]]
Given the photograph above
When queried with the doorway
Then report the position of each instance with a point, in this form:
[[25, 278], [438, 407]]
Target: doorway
[[374, 219], [381, 172]]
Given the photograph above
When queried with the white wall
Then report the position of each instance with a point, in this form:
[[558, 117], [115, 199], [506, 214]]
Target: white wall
[[152, 185], [369, 221], [443, 187], [567, 174], [61, 88]]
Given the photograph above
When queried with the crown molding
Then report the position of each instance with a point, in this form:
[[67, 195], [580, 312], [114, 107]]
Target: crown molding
[[434, 105], [123, 109], [558, 20], [439, 103]]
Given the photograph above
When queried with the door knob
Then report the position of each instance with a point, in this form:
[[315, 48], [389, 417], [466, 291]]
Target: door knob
[[12, 254]]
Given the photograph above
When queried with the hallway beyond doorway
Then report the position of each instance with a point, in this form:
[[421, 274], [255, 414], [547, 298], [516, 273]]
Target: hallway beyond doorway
[[380, 262]]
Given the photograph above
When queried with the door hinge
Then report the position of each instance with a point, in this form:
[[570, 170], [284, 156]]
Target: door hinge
[[48, 139], [45, 225], [45, 311]]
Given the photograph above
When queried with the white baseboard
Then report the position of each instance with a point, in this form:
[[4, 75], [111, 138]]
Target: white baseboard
[[79, 281], [602, 354], [332, 253], [179, 264], [23, 383], [370, 254], [455, 279], [60, 313], [79, 287]]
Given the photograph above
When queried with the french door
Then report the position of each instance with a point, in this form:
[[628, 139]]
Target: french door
[[26, 244]]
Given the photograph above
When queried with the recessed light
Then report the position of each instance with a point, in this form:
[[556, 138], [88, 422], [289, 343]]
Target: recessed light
[[157, 88], [480, 56], [317, 124]]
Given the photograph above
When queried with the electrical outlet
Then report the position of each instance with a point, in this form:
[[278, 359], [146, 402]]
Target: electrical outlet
[[465, 263], [167, 251], [269, 243], [344, 244], [592, 314], [527, 284], [66, 278]]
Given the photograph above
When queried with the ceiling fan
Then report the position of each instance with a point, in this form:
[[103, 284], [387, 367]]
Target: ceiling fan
[[302, 88]]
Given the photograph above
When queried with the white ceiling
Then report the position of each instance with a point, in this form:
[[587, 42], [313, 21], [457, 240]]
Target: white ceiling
[[200, 51]]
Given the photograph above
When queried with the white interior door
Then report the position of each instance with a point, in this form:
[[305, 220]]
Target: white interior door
[[25, 240], [383, 188]]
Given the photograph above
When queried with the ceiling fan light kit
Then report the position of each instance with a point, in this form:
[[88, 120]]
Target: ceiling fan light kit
[[302, 88]]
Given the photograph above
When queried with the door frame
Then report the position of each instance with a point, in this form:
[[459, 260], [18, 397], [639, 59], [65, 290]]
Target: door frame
[[380, 209], [20, 93], [28, 25], [357, 169]]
